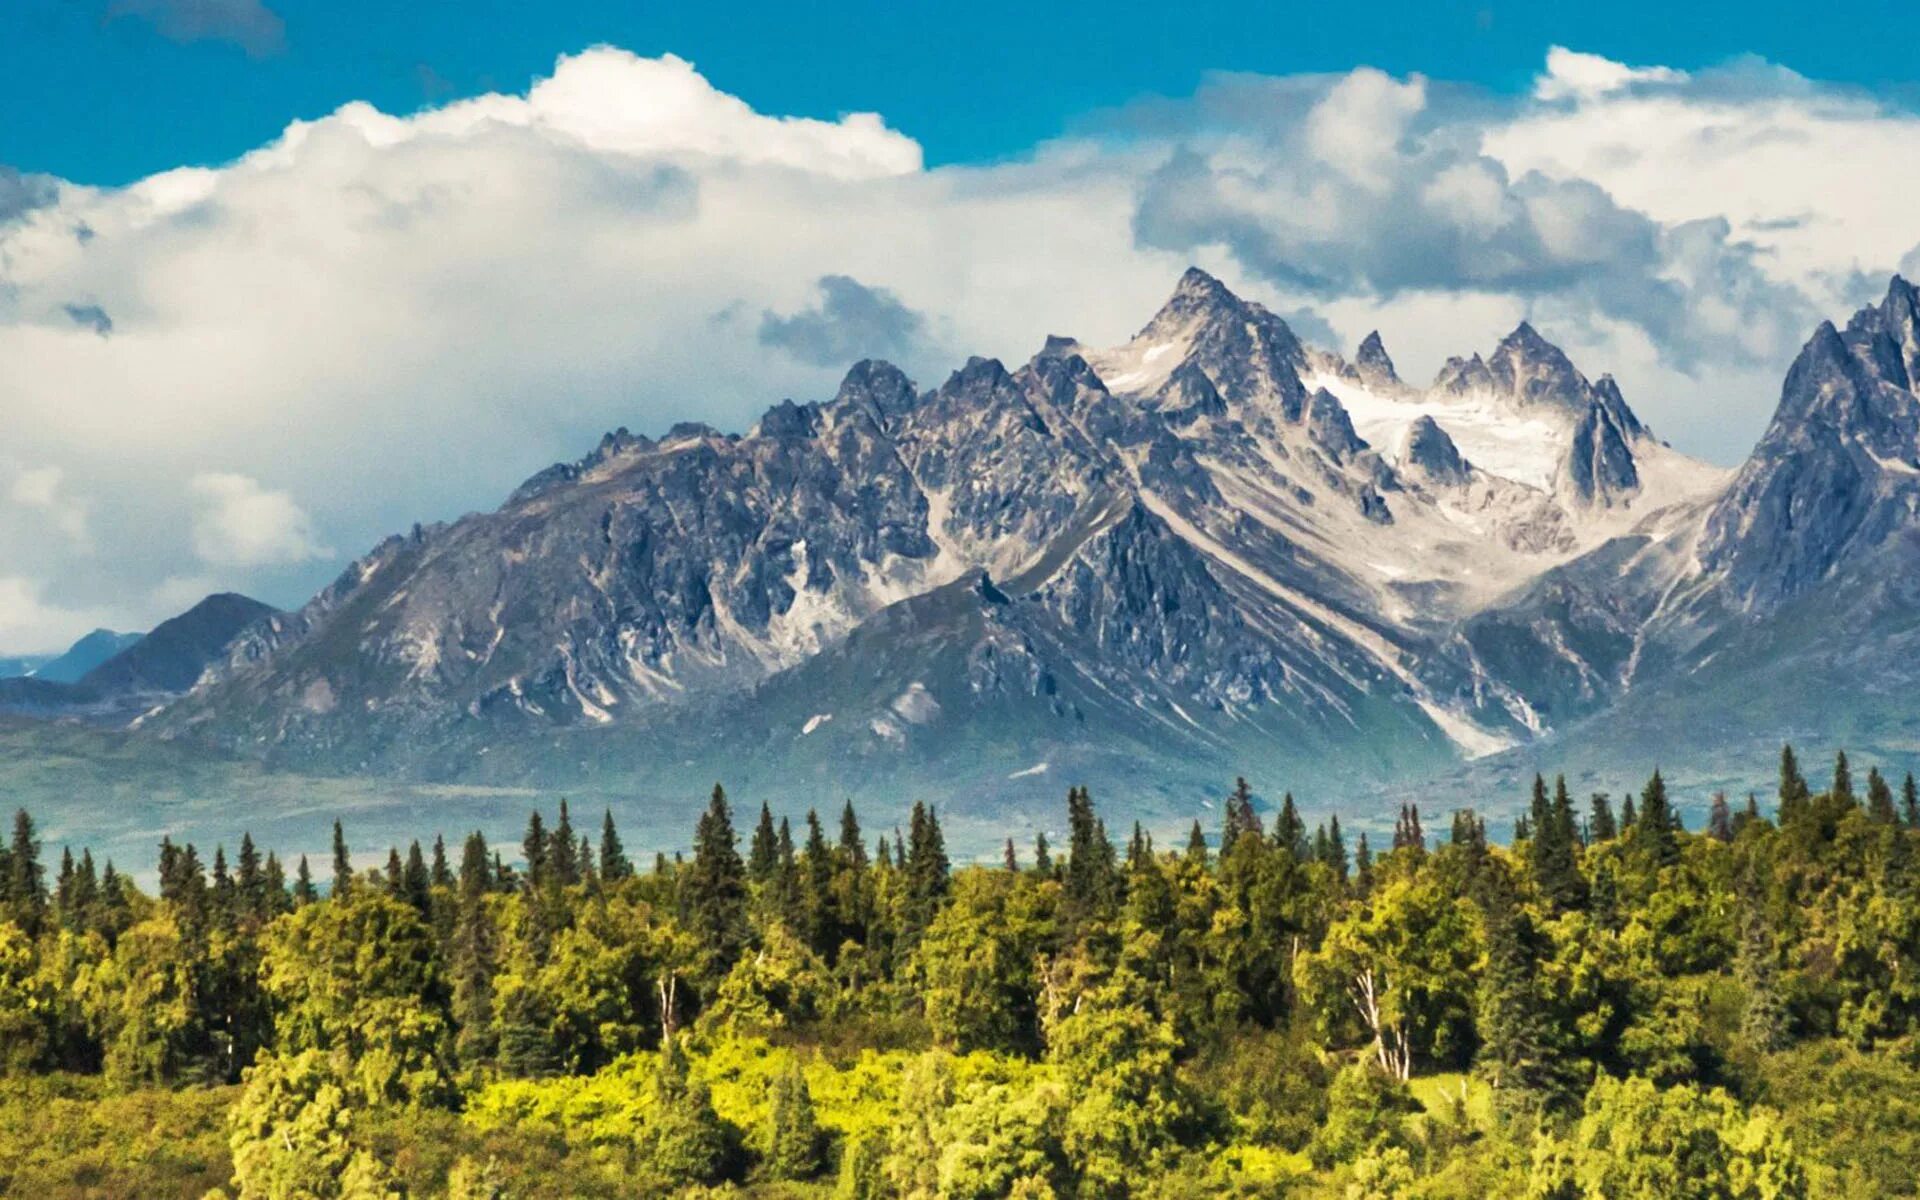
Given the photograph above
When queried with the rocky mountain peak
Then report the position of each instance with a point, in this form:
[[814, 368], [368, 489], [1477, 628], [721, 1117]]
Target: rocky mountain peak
[[1528, 368], [878, 389], [1836, 476], [1372, 363], [1428, 453]]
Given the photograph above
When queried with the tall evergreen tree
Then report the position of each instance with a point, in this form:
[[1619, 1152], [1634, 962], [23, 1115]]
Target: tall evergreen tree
[[441, 873], [1092, 885], [1600, 824], [564, 855], [614, 863], [304, 893], [474, 957], [1720, 819], [416, 882], [1336, 852], [713, 889], [533, 849], [763, 854], [1289, 831], [26, 885], [853, 845], [1010, 860], [1240, 817], [926, 866], [1880, 799], [1654, 831], [1042, 856], [1841, 793], [1794, 793], [342, 865], [1197, 846]]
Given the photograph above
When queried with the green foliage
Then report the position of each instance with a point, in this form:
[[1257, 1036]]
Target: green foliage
[[1623, 1012], [1638, 1141]]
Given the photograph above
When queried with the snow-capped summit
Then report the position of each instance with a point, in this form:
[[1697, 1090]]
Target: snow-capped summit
[[1213, 549]]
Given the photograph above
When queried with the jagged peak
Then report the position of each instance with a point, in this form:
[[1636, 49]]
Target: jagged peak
[[1059, 346], [788, 420], [1373, 362], [979, 372], [1196, 284], [877, 388], [1430, 449]]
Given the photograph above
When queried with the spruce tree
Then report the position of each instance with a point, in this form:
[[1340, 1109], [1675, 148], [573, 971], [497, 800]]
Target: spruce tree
[[1720, 819], [1654, 831], [1289, 831], [1910, 802], [853, 846], [1763, 1023], [473, 957], [1363, 865], [1519, 1051], [822, 924], [1009, 860], [1197, 846], [564, 853], [26, 887], [1880, 808], [304, 893], [1794, 794], [793, 1134], [342, 865], [763, 855], [926, 866], [1841, 793], [1336, 852], [416, 882], [533, 849], [249, 879], [1239, 818], [614, 864], [440, 875], [1042, 857], [713, 889], [1091, 891], [1600, 825]]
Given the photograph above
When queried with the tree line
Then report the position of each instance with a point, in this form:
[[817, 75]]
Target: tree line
[[1606, 1000]]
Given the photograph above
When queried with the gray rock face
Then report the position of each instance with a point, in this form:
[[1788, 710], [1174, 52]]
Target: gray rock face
[[1373, 365], [1149, 565], [1430, 455], [1837, 473]]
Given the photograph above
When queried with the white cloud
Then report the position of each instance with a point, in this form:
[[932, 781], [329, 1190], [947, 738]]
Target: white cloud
[[41, 488], [1571, 75], [238, 523], [398, 318], [29, 624]]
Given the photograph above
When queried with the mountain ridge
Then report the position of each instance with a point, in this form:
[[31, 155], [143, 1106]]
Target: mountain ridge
[[1215, 534]]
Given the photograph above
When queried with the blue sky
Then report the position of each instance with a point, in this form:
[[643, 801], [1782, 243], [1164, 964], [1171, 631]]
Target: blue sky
[[121, 88], [281, 277]]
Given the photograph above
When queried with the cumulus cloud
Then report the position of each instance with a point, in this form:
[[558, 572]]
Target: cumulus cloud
[[851, 321], [20, 193], [248, 24], [238, 523], [1378, 193], [43, 490], [1571, 75], [398, 318]]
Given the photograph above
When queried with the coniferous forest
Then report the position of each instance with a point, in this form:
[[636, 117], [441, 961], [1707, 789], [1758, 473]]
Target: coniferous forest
[[1611, 1006]]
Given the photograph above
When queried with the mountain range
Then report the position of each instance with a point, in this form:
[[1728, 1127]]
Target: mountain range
[[1215, 549]]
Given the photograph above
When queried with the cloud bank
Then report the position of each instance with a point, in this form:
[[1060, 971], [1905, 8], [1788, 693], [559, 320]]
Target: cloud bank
[[236, 376]]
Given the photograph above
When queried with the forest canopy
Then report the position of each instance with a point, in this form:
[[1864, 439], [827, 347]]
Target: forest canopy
[[1610, 1006]]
